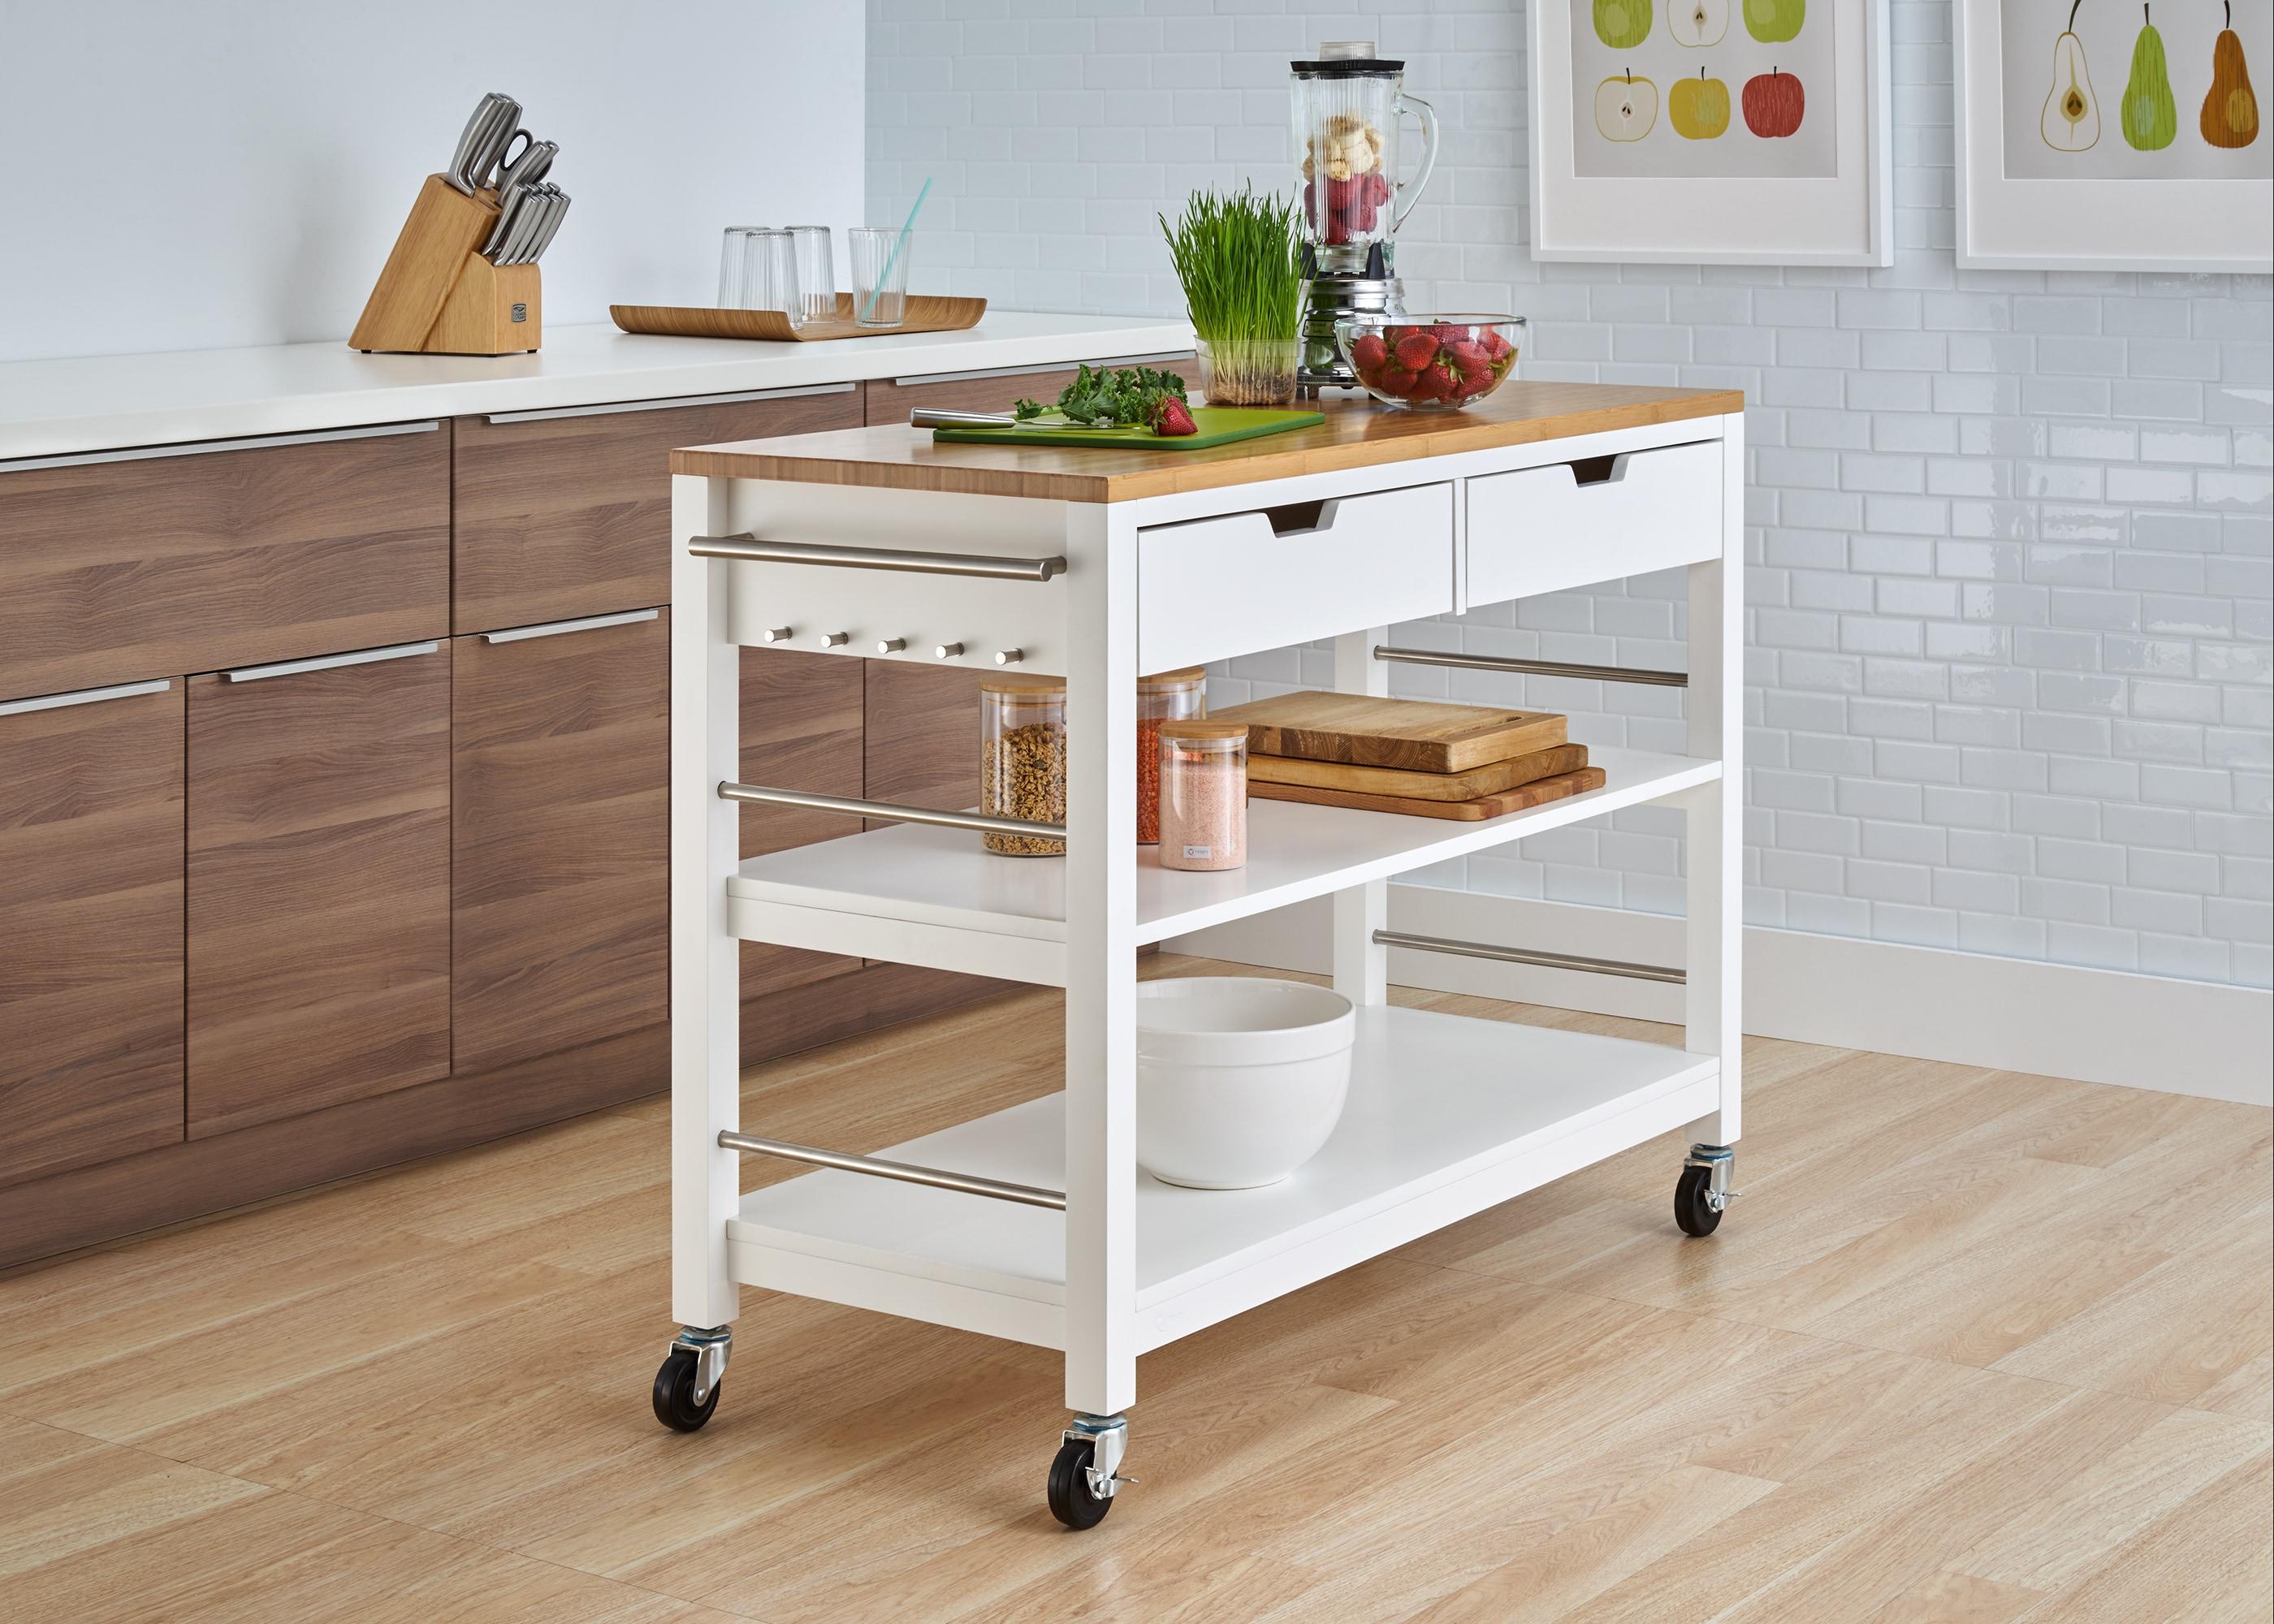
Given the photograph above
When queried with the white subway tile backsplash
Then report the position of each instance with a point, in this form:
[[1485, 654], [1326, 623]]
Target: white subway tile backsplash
[[2012, 585]]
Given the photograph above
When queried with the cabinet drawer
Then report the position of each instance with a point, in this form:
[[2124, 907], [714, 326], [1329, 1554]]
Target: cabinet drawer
[[1264, 579], [90, 931], [318, 885], [892, 399], [560, 838], [560, 515], [1566, 524], [121, 569]]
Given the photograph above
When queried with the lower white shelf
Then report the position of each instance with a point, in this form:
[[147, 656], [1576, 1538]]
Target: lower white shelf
[[1448, 1115]]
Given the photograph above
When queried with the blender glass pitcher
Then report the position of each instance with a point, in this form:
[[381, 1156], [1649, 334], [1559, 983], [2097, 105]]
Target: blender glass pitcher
[[1346, 107]]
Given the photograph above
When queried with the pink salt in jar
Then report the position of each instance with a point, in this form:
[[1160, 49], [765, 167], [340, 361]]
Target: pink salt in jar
[[1203, 794]]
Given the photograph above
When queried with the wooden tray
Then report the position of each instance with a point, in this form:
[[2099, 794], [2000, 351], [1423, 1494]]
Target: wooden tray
[[1489, 779], [926, 312], [1515, 800], [1411, 734], [1218, 426]]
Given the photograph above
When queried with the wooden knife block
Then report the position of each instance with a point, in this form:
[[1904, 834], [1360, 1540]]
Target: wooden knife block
[[437, 296]]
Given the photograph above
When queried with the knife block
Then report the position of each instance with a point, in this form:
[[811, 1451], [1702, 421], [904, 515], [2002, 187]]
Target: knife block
[[437, 296]]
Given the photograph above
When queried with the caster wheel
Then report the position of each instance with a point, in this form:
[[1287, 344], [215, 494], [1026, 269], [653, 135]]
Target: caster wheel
[[675, 1394], [1690, 1209], [1071, 1502]]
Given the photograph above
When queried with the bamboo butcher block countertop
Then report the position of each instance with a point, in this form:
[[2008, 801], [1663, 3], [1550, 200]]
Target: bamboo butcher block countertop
[[1356, 434]]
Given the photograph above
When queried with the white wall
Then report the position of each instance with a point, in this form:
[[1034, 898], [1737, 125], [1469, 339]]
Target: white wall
[[2010, 595], [185, 176]]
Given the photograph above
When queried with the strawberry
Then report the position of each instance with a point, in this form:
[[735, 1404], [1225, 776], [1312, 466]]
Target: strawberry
[[1432, 383], [1470, 357], [1417, 349], [1377, 186], [1474, 383], [1396, 380], [1368, 352], [1171, 417], [1495, 345]]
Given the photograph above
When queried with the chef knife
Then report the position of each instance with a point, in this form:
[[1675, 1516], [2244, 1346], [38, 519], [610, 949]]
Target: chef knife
[[472, 141], [505, 123], [947, 417]]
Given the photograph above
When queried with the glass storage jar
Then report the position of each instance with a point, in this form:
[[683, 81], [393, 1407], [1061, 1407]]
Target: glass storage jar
[[1022, 760], [1171, 696], [1203, 794]]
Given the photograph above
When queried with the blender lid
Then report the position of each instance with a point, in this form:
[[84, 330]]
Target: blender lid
[[1346, 59]]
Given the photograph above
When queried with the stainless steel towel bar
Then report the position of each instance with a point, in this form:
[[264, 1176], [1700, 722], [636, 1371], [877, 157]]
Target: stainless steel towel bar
[[888, 812], [907, 1172], [1534, 667], [1526, 956], [993, 568]]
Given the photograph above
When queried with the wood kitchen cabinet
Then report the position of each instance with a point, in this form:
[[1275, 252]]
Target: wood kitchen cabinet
[[90, 931], [561, 836], [562, 514], [319, 875], [122, 568]]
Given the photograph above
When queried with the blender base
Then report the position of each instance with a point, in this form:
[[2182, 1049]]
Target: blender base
[[1326, 300]]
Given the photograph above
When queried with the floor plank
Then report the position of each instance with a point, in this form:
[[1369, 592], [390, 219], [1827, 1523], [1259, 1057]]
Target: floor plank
[[1976, 1347]]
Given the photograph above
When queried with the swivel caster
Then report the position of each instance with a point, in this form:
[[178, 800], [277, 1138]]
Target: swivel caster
[[687, 1385], [1085, 1473], [1702, 1194]]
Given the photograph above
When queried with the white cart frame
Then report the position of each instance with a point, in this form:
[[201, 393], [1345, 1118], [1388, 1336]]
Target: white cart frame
[[1448, 1115]]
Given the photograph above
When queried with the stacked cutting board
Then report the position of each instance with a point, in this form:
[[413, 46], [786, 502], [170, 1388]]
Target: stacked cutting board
[[1408, 755]]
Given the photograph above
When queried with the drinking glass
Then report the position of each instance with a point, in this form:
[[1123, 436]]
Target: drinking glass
[[757, 270], [817, 276], [880, 275]]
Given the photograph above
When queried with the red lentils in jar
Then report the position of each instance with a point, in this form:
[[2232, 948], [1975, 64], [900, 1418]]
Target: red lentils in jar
[[1172, 696], [1203, 794]]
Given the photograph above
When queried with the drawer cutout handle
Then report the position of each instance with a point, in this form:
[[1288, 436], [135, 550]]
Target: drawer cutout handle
[[1301, 518], [1595, 469]]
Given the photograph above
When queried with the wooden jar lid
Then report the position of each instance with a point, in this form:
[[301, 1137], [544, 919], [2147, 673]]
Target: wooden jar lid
[[1160, 680], [1200, 727], [1031, 688]]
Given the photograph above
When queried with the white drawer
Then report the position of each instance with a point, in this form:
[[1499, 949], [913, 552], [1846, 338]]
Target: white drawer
[[1214, 588], [1541, 530]]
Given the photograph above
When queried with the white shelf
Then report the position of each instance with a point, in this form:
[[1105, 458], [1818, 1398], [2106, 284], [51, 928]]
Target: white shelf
[[913, 895], [1447, 1115]]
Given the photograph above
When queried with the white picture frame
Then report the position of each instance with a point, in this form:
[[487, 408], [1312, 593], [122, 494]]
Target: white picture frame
[[2069, 225], [1844, 218]]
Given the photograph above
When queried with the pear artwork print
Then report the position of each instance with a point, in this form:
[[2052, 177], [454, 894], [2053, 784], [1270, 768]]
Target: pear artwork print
[[2148, 115], [2071, 119], [2230, 111]]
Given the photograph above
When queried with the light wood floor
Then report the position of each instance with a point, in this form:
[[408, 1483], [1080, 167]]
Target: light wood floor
[[1975, 1347]]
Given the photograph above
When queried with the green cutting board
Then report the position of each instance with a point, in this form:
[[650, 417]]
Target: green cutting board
[[1219, 425]]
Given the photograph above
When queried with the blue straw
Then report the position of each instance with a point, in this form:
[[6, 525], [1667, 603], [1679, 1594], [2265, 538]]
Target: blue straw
[[894, 259]]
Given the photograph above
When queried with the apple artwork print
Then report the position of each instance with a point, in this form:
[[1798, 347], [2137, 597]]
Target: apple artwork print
[[1621, 24], [2071, 119], [1698, 108], [1773, 22], [1697, 23], [1625, 107], [1774, 103]]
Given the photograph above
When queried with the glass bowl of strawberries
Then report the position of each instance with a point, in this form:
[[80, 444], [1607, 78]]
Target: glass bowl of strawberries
[[1430, 363]]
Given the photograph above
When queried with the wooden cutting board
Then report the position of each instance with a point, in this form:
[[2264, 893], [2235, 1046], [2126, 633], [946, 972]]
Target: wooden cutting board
[[1412, 736], [1489, 779], [1216, 426], [924, 313], [1516, 800]]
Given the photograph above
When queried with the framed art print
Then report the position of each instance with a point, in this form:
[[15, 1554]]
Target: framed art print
[[2114, 135], [1710, 131]]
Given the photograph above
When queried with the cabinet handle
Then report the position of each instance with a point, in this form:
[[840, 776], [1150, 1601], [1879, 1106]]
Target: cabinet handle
[[1046, 366], [751, 549], [610, 408], [555, 629], [84, 696], [330, 662], [136, 453]]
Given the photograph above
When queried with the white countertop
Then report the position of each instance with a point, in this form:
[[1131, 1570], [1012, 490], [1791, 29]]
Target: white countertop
[[105, 402]]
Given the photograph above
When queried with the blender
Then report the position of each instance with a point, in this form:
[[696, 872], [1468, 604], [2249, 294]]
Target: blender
[[1347, 106]]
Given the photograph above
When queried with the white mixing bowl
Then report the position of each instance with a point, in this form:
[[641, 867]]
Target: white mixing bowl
[[1239, 1079]]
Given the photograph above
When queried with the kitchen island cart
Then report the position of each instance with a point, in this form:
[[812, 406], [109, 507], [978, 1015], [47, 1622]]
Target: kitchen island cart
[[1035, 1223]]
